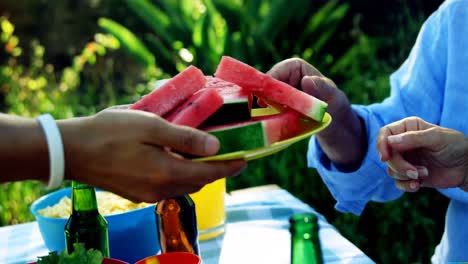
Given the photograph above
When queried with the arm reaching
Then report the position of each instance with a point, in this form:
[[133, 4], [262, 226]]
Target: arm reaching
[[429, 84], [344, 141], [123, 151]]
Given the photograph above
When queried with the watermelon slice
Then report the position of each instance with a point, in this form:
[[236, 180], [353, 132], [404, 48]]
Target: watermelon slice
[[232, 70], [281, 126], [237, 104], [197, 108], [172, 93], [259, 132], [265, 86], [239, 136]]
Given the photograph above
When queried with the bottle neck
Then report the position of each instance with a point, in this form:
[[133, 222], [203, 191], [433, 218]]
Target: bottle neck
[[304, 230], [305, 223], [177, 225], [83, 198], [305, 243], [174, 213]]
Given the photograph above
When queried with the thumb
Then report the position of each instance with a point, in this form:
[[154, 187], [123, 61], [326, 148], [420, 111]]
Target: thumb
[[320, 87], [188, 140], [326, 90], [154, 130]]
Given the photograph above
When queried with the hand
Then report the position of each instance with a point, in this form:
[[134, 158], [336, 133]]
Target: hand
[[344, 141], [420, 154], [126, 152]]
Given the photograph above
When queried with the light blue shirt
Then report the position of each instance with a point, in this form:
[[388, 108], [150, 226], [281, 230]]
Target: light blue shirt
[[432, 84]]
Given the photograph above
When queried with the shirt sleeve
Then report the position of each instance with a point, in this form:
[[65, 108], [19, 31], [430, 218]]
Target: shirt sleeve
[[417, 89]]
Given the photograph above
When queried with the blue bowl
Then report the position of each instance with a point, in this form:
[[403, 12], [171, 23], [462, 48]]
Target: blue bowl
[[132, 235]]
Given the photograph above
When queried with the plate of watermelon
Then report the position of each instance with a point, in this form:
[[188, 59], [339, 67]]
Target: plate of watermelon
[[256, 153], [222, 105]]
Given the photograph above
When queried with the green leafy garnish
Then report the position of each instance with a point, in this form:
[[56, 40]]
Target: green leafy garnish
[[78, 256]]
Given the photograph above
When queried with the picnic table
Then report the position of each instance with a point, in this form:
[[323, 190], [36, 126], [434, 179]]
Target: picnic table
[[257, 231]]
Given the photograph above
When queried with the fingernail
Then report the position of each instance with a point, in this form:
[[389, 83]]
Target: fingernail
[[380, 156], [395, 139], [312, 80], [423, 171], [412, 186], [211, 145], [412, 174]]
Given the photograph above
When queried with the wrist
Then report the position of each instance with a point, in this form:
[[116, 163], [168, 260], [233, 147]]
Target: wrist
[[345, 142], [55, 150], [74, 145], [78, 147]]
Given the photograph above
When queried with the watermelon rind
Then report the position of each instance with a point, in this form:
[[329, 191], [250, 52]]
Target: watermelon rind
[[318, 111], [244, 136]]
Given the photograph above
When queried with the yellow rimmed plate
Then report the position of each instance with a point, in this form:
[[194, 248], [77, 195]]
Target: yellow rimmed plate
[[273, 148]]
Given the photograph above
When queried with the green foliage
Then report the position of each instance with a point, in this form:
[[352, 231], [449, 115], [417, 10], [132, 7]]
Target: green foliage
[[355, 43], [255, 32], [31, 86], [131, 43], [36, 88], [420, 210], [15, 199], [78, 256]]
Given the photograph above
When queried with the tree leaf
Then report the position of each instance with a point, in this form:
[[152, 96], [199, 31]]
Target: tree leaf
[[128, 40]]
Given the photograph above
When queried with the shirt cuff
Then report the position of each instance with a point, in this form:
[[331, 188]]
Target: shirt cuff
[[353, 190]]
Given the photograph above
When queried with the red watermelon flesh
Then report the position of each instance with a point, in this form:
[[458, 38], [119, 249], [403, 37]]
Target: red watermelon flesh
[[285, 94], [265, 86], [237, 104], [231, 92], [281, 126], [173, 92], [197, 108], [232, 70], [305, 123]]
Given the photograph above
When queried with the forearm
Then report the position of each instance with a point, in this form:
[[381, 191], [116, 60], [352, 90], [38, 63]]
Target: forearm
[[24, 152], [345, 141], [23, 149]]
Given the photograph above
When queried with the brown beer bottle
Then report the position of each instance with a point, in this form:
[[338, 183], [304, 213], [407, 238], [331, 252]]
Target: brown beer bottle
[[177, 225]]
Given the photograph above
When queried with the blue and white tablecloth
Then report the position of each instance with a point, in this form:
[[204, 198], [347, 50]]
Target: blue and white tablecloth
[[257, 231]]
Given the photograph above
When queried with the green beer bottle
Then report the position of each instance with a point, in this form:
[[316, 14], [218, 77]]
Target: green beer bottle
[[177, 225], [305, 243], [85, 224]]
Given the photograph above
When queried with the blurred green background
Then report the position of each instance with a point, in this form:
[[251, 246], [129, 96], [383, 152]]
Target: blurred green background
[[73, 58]]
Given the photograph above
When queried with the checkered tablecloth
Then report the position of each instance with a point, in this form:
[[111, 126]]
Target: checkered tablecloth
[[257, 231]]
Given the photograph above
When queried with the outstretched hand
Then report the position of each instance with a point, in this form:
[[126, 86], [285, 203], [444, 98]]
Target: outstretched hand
[[420, 154], [344, 140], [303, 76], [127, 152]]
